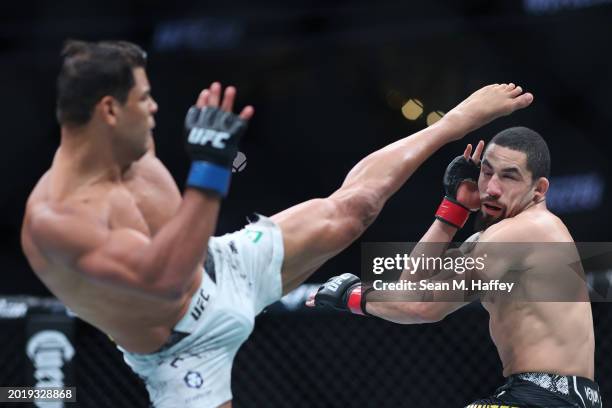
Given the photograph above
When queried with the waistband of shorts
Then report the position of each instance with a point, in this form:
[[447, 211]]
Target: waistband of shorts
[[568, 386], [173, 339]]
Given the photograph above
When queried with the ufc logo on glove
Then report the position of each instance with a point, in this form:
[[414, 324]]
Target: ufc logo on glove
[[335, 283], [202, 136]]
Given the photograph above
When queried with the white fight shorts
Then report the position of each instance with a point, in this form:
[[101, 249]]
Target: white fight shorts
[[242, 277]]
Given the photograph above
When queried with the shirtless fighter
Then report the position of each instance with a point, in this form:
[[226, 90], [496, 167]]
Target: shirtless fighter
[[107, 230], [546, 347]]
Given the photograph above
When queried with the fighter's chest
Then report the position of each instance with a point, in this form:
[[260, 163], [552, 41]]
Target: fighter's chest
[[142, 205]]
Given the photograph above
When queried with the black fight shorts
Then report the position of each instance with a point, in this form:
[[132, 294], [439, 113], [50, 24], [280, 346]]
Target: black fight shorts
[[540, 390]]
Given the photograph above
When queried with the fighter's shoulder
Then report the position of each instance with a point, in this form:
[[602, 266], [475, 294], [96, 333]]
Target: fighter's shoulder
[[507, 230], [151, 168], [149, 163], [61, 227], [40, 190], [535, 227]]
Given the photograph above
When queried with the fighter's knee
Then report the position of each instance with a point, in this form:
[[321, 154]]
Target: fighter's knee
[[358, 206]]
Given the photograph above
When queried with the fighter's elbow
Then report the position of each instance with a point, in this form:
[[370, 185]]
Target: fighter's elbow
[[406, 312], [164, 287], [148, 284], [422, 312], [170, 294], [159, 289]]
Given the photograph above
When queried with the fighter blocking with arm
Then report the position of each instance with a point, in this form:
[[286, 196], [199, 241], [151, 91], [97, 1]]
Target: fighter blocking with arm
[[543, 327], [344, 292]]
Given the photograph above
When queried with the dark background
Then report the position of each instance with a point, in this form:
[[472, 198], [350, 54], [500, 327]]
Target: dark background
[[327, 79]]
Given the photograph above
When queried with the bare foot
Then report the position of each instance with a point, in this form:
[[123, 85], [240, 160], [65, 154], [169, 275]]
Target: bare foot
[[487, 104]]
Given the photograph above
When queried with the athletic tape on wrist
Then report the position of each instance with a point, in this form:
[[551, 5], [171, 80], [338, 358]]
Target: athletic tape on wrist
[[209, 176], [354, 301], [452, 212]]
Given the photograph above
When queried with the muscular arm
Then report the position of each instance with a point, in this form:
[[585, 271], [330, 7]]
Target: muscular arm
[[160, 266], [498, 262], [414, 309], [423, 306]]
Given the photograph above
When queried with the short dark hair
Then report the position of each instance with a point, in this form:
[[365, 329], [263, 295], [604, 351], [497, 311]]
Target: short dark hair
[[529, 142], [92, 70]]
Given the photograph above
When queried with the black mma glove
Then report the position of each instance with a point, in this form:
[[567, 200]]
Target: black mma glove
[[342, 293], [212, 142], [451, 211]]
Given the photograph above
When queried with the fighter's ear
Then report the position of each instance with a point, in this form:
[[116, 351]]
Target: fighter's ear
[[107, 109], [541, 187]]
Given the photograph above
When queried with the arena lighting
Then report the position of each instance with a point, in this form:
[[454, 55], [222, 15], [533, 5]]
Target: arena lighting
[[575, 193], [433, 117], [412, 109], [552, 6]]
